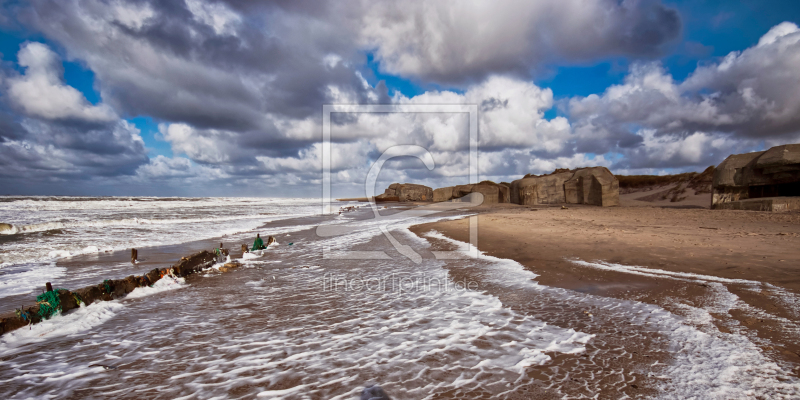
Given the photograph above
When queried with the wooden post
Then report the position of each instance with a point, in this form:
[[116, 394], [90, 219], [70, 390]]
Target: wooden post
[[49, 287], [220, 245], [244, 248], [134, 255]]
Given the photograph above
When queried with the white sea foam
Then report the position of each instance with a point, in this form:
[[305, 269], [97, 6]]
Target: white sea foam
[[164, 284], [660, 273], [280, 336], [506, 271], [48, 229], [705, 363], [59, 254], [74, 322], [722, 300], [73, 226], [252, 255], [22, 279], [708, 363], [283, 392]]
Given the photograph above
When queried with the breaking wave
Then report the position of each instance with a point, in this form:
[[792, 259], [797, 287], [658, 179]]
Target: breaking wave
[[9, 229]]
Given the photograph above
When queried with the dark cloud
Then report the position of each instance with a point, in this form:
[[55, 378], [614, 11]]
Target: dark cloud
[[45, 151], [237, 88], [465, 44], [9, 128], [50, 132]]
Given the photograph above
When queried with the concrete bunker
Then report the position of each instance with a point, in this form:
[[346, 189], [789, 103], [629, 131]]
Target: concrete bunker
[[760, 181], [595, 186]]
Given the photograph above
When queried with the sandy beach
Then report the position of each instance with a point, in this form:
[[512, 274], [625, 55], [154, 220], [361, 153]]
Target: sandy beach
[[680, 259]]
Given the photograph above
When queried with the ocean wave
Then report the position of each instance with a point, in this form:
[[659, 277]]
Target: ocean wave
[[10, 229]]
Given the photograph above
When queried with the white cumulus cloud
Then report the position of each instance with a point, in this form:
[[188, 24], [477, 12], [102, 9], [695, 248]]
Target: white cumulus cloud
[[41, 91]]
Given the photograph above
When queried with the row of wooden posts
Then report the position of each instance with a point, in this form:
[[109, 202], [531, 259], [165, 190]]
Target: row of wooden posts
[[116, 288], [134, 257], [135, 254]]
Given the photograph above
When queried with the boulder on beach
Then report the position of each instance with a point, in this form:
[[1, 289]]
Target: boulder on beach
[[374, 392], [404, 192]]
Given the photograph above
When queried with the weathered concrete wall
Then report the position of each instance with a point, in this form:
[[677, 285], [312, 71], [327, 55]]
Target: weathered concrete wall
[[443, 194], [406, 192], [595, 186], [763, 204], [505, 192], [763, 174], [492, 193], [546, 189]]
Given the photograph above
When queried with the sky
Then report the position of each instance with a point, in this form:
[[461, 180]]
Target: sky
[[224, 98]]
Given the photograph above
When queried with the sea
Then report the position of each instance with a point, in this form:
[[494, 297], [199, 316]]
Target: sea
[[325, 312]]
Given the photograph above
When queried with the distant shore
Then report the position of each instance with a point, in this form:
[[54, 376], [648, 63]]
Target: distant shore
[[732, 245]]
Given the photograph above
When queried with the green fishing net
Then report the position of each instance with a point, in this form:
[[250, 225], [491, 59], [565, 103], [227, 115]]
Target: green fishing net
[[49, 304]]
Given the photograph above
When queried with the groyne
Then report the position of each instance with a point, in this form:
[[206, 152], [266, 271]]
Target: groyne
[[63, 300]]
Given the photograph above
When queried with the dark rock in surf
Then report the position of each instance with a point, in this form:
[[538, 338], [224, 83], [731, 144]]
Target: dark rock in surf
[[193, 263], [89, 295], [153, 276], [67, 300], [374, 392]]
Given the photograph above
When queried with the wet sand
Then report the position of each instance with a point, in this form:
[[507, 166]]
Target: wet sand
[[748, 251]]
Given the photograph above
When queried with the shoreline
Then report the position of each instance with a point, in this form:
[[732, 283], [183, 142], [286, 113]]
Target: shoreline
[[684, 255], [624, 343]]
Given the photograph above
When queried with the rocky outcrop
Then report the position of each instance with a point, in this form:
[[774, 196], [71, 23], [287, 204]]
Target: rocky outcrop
[[406, 192], [763, 174], [594, 186]]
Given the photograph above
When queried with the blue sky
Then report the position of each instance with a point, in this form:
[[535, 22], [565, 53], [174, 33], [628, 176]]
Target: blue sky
[[708, 31]]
